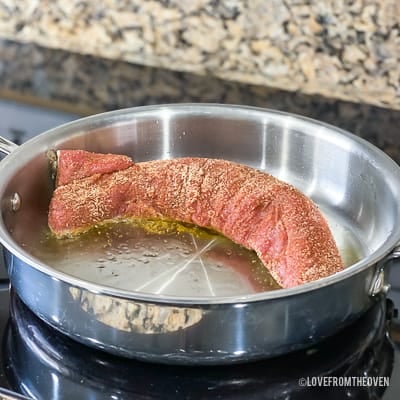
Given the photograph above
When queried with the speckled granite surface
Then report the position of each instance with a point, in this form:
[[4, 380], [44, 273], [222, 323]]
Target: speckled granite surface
[[86, 85], [348, 49]]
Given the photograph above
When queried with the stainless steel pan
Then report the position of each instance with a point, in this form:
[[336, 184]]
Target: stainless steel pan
[[177, 299]]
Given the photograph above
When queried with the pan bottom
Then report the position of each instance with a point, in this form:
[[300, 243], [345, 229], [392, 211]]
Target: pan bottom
[[170, 258]]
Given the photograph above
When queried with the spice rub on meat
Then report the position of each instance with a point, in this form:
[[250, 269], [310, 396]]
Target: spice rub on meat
[[284, 227]]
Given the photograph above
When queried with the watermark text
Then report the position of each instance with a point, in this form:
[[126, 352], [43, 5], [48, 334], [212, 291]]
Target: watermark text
[[342, 381]]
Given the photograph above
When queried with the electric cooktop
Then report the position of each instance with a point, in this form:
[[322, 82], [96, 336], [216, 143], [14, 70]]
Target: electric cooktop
[[36, 362]]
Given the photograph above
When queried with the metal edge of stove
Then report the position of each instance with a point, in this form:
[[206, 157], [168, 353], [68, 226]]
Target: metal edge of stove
[[6, 394], [20, 122]]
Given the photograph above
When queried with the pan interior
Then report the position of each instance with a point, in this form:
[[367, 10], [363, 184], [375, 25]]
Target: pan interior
[[347, 179]]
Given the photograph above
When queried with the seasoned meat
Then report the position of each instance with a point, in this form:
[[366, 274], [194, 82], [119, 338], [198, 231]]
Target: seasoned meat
[[78, 164], [252, 208]]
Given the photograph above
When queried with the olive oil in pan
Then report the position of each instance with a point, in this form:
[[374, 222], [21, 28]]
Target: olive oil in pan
[[347, 240], [168, 258], [159, 257]]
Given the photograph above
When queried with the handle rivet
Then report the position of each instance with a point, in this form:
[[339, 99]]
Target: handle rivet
[[15, 202], [385, 288]]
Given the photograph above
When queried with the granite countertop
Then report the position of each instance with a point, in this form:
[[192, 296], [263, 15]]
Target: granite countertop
[[337, 48], [85, 85]]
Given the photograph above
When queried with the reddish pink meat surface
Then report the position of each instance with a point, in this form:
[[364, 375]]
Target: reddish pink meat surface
[[77, 164], [252, 208]]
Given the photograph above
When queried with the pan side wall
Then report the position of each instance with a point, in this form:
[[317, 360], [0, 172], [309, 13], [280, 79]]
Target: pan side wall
[[191, 334]]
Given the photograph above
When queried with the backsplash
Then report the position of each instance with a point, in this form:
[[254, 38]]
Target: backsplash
[[345, 49], [82, 85]]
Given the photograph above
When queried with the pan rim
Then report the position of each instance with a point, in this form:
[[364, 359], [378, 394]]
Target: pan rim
[[202, 108]]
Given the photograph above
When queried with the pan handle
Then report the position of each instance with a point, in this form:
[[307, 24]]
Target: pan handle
[[6, 146], [379, 285], [395, 254]]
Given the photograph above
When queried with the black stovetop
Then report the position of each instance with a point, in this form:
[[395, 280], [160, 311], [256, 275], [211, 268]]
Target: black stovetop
[[40, 363]]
